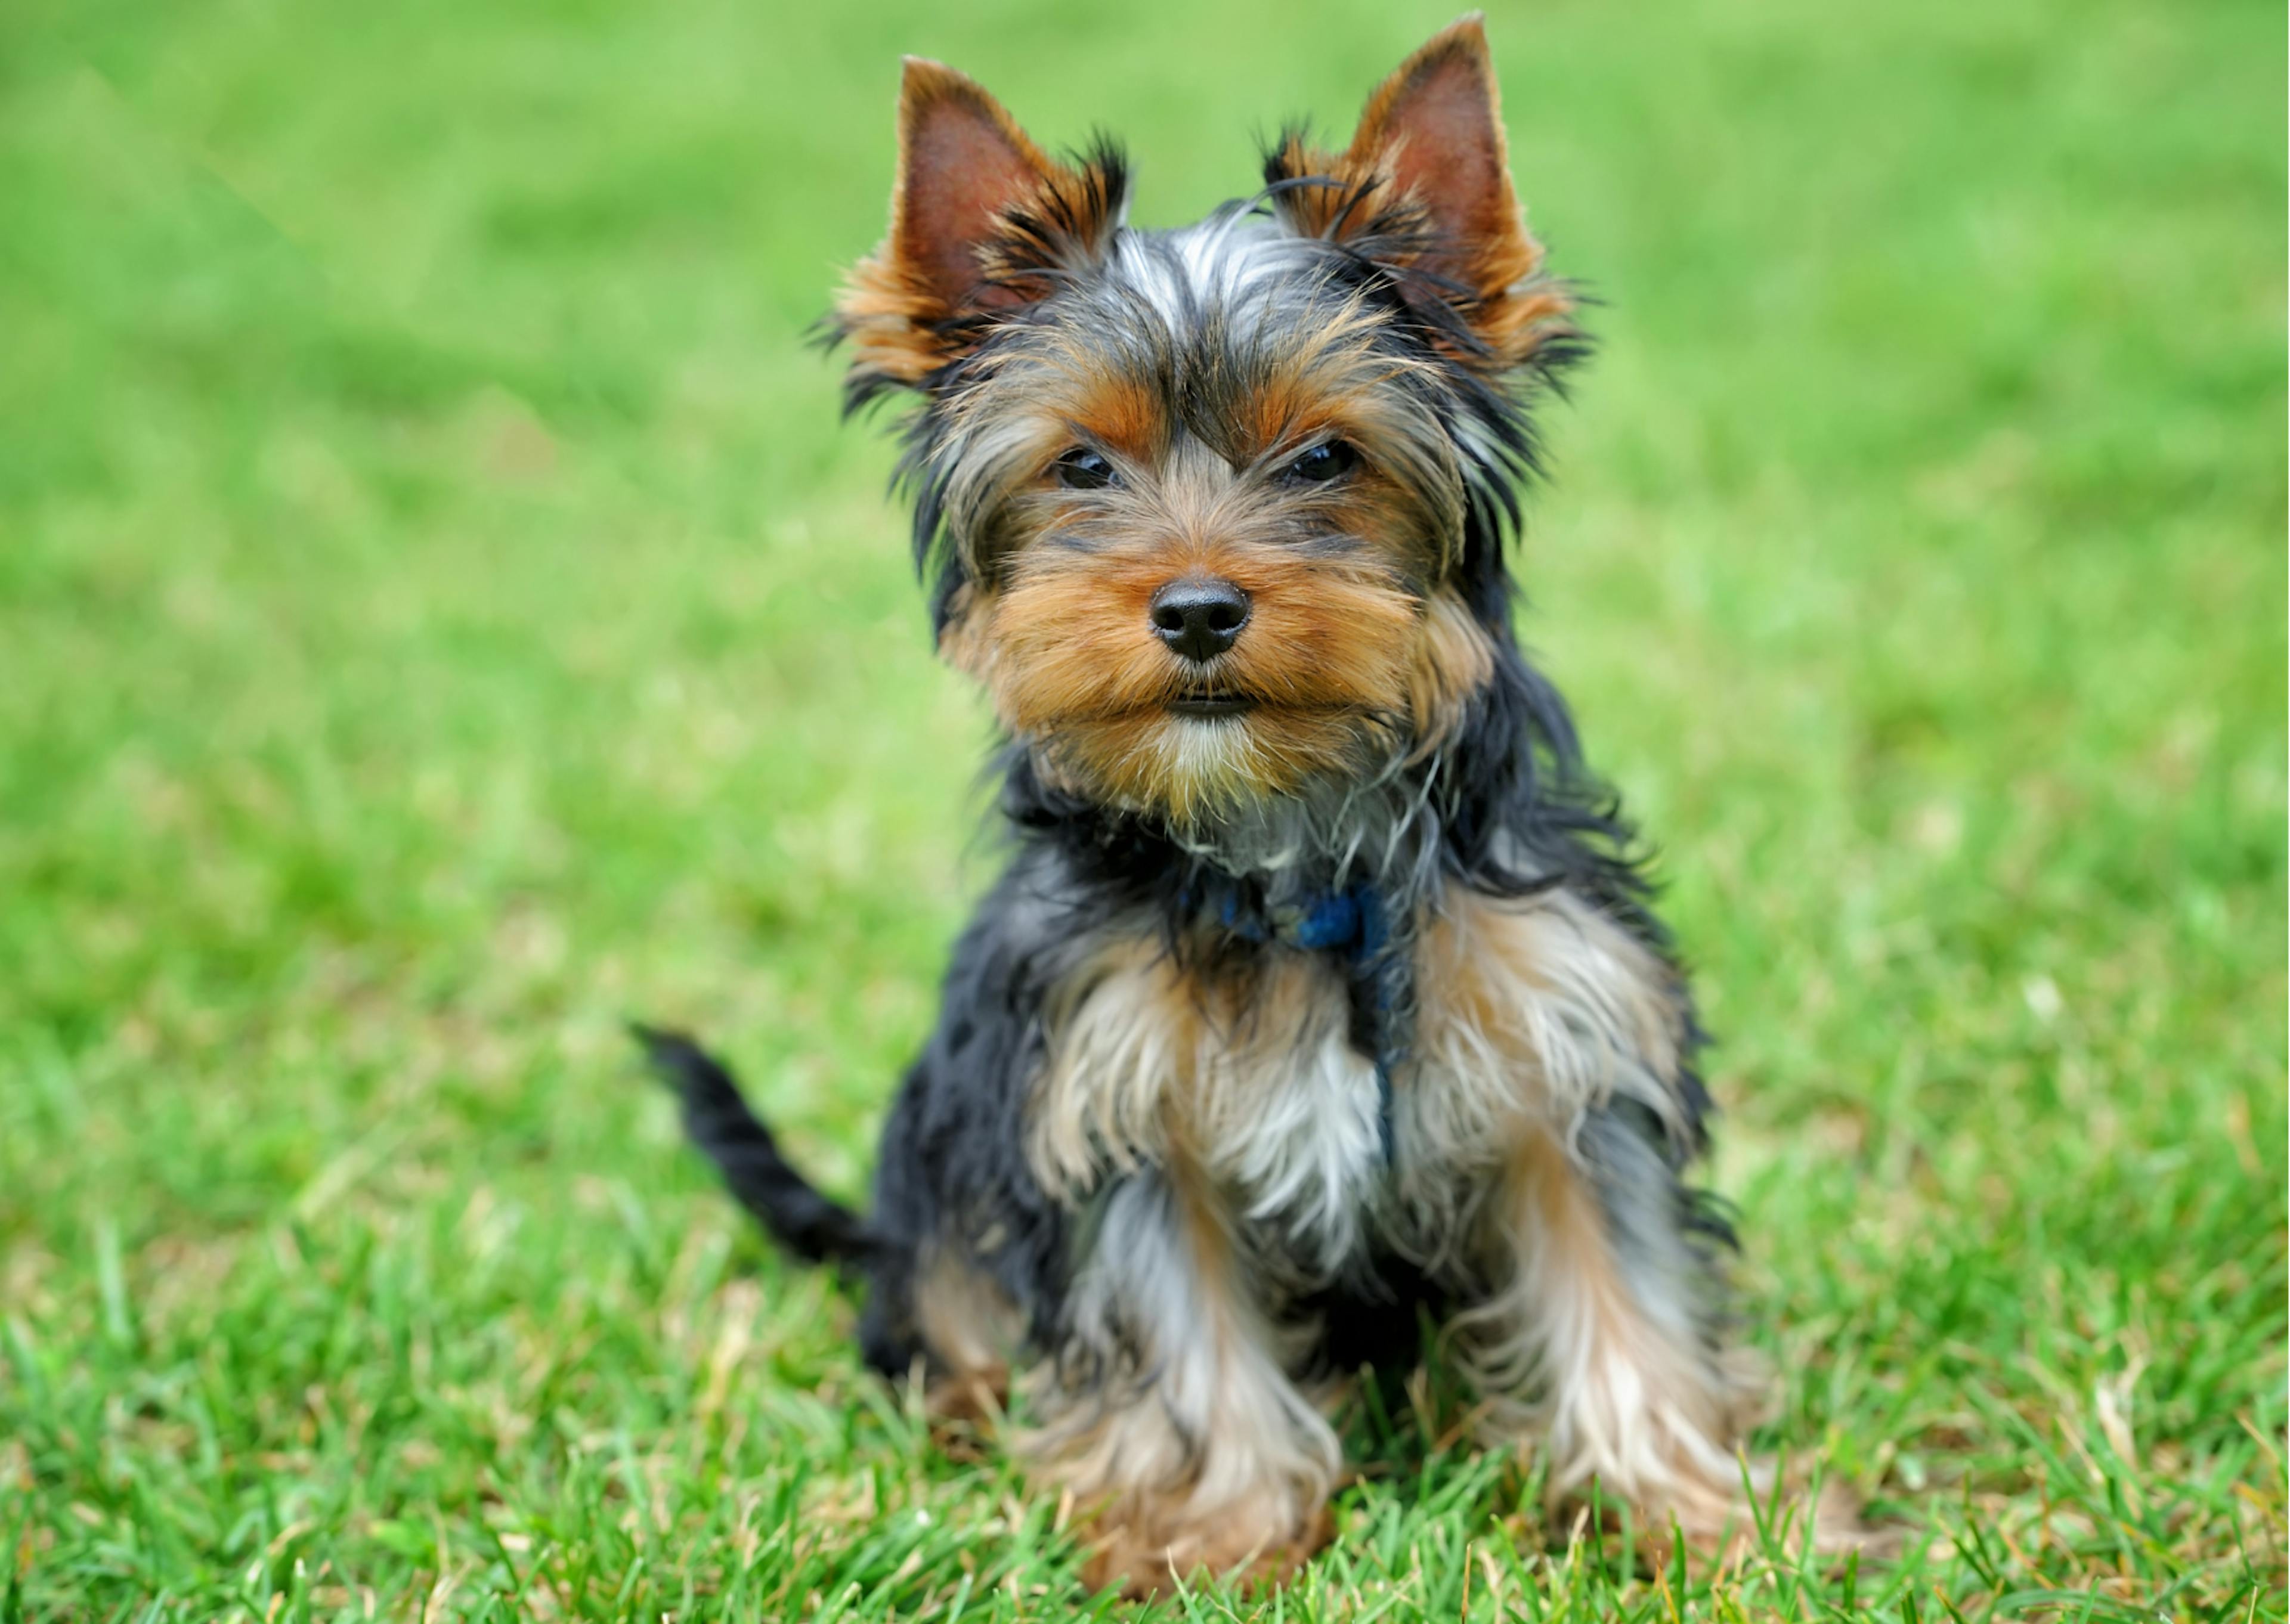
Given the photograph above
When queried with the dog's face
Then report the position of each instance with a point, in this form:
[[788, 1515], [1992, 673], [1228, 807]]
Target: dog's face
[[1205, 503]]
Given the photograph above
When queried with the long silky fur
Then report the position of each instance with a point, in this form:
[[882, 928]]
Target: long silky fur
[[1498, 804]]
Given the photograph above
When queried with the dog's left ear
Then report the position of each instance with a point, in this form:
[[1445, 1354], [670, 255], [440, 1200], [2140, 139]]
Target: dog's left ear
[[1424, 189]]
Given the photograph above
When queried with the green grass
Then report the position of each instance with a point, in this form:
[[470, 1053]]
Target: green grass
[[439, 614]]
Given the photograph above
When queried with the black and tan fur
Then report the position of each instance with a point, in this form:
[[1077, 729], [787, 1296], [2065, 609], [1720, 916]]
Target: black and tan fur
[[1172, 1157]]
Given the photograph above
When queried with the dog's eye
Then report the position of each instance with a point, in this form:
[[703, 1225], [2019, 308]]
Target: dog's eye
[[1329, 461], [1083, 469]]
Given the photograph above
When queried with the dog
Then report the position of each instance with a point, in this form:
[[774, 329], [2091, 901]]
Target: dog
[[1320, 998]]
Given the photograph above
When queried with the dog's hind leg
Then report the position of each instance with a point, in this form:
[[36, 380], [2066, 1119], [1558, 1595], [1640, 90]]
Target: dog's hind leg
[[971, 1331]]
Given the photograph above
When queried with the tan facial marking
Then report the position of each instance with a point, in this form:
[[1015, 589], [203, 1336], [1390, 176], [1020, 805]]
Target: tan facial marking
[[1454, 658]]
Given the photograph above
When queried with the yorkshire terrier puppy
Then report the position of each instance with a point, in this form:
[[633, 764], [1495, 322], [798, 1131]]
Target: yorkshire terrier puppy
[[1320, 990]]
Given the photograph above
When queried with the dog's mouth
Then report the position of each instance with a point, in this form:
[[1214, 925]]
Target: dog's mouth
[[1209, 707]]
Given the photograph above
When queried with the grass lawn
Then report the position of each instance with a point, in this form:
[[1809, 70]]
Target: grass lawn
[[440, 615]]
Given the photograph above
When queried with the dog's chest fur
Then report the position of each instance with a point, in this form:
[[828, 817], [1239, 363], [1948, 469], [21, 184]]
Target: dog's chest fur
[[1242, 1074], [1245, 1075]]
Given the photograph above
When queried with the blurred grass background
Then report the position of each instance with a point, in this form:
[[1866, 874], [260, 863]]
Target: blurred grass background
[[440, 613]]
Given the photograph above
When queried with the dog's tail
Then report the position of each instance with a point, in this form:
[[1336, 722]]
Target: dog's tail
[[808, 1224]]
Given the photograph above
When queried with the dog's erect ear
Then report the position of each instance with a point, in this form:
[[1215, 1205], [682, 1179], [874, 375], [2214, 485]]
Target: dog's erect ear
[[1425, 190], [962, 162], [979, 220], [1435, 127]]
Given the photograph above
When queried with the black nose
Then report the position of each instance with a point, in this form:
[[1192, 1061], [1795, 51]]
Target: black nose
[[1199, 617]]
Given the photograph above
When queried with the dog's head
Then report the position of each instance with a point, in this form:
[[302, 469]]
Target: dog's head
[[1214, 513]]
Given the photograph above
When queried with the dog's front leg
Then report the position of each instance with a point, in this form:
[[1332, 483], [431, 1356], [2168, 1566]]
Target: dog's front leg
[[1600, 1336], [1554, 1109], [1166, 1412]]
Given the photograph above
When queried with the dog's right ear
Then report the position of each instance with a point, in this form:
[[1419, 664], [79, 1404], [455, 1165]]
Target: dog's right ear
[[982, 225]]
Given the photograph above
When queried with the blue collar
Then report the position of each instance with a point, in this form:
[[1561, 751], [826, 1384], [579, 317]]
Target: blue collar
[[1349, 921]]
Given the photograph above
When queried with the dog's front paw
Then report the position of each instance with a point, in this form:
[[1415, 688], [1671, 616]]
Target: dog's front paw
[[1144, 1554]]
